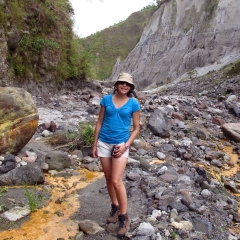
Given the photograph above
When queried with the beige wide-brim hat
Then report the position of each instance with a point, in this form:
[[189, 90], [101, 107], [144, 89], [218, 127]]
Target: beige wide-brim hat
[[125, 77]]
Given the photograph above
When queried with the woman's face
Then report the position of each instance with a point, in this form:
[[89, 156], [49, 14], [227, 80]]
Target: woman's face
[[123, 87]]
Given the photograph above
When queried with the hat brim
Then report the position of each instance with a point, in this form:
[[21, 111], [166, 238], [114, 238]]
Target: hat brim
[[132, 85]]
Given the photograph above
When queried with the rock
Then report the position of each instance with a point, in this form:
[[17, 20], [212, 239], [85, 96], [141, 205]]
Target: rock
[[158, 124], [90, 227], [168, 177], [53, 126], [218, 120], [8, 164], [145, 229], [232, 130], [161, 155], [16, 213], [236, 217], [203, 225], [57, 160], [133, 163], [205, 193], [231, 98], [140, 143], [30, 174], [13, 38], [231, 186], [177, 116], [144, 164], [19, 119], [186, 196], [133, 176], [184, 225]]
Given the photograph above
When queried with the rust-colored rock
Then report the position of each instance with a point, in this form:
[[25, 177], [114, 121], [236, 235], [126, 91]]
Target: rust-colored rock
[[18, 119]]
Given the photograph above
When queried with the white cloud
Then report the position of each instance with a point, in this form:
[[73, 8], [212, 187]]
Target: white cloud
[[95, 15]]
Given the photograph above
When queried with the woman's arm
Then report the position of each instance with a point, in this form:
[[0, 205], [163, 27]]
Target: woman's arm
[[97, 130], [134, 133], [136, 128]]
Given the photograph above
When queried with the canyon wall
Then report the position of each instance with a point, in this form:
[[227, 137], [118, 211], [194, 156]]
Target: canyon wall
[[184, 37]]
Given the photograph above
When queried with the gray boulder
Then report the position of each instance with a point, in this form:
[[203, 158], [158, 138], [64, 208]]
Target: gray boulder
[[30, 174], [158, 124], [57, 160]]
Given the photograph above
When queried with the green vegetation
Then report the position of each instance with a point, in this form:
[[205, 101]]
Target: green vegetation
[[87, 133], [42, 43], [83, 137], [211, 6], [2, 206], [33, 199], [233, 69], [46, 41], [116, 42], [3, 190]]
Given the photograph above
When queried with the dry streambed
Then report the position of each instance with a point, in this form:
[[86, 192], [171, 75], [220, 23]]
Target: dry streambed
[[53, 220]]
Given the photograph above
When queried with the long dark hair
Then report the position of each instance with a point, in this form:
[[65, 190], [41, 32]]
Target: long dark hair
[[131, 93]]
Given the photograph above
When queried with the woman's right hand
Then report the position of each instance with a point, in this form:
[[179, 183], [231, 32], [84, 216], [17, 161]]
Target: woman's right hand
[[94, 152]]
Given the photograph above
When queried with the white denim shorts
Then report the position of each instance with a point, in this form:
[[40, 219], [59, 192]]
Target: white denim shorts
[[105, 149]]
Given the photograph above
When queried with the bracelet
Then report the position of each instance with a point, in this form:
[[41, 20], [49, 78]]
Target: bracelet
[[127, 146]]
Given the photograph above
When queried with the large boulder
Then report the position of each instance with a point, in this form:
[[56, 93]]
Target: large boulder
[[158, 124], [18, 119], [30, 174]]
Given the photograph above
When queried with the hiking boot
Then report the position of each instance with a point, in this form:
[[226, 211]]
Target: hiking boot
[[113, 214], [124, 224]]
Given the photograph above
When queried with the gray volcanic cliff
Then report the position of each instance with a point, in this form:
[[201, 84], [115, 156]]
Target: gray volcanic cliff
[[184, 37]]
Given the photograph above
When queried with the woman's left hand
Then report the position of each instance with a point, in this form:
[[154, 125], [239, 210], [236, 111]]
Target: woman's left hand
[[120, 150]]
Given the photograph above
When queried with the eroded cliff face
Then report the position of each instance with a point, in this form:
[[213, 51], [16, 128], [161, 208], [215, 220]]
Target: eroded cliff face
[[38, 49], [184, 37]]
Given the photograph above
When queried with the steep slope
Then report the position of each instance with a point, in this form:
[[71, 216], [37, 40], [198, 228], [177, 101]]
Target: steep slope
[[184, 37], [37, 43], [115, 42]]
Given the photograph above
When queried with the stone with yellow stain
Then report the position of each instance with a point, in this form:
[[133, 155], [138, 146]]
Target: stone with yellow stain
[[18, 119]]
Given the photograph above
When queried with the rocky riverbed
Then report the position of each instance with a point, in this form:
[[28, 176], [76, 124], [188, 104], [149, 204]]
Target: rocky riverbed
[[182, 176]]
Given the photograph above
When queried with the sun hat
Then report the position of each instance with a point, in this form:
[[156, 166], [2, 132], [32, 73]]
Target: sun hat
[[126, 77]]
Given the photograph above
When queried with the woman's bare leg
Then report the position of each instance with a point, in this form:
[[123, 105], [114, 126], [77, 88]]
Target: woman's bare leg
[[107, 169], [118, 167]]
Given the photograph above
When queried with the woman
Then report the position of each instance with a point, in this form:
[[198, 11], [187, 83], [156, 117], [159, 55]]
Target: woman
[[111, 144]]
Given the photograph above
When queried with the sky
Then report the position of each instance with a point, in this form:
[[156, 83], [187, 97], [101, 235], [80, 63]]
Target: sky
[[95, 15]]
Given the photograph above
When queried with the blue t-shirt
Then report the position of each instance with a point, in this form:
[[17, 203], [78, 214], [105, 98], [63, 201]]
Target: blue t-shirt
[[117, 121]]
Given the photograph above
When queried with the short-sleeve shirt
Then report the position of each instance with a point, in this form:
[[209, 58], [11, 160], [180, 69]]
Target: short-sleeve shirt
[[117, 121]]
